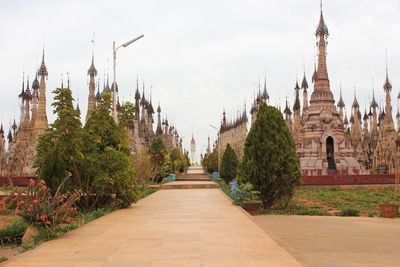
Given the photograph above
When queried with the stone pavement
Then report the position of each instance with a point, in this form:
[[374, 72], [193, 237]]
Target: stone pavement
[[182, 227], [182, 184], [336, 241]]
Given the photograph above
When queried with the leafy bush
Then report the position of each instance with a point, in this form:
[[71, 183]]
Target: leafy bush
[[36, 205], [145, 169], [245, 193], [177, 161], [229, 164], [210, 162], [97, 156], [270, 161], [349, 213], [13, 233], [159, 156]]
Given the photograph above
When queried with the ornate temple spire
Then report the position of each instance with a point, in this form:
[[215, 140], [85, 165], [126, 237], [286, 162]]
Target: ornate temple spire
[[304, 83], [9, 137], [346, 120], [137, 93], [92, 70], [265, 96], [314, 76], [92, 73], [143, 100], [42, 69], [107, 88], [387, 87], [296, 105], [296, 110], [77, 107], [21, 95], [14, 127], [322, 97], [374, 104], [98, 94], [356, 129], [25, 124], [355, 102], [322, 29], [341, 102], [287, 110], [365, 125], [288, 114], [159, 127], [41, 122], [304, 86], [322, 34]]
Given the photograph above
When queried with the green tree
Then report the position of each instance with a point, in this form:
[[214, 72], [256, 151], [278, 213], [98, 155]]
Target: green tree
[[126, 115], [59, 149], [210, 162], [97, 156], [107, 167], [229, 164], [270, 161], [160, 158], [178, 162]]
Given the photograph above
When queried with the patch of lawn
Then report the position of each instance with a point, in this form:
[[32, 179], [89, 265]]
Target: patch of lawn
[[361, 199]]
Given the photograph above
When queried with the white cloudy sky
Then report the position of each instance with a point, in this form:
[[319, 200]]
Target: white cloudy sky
[[199, 56]]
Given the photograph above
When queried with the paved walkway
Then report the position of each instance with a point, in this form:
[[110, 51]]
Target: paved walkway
[[181, 227], [336, 241]]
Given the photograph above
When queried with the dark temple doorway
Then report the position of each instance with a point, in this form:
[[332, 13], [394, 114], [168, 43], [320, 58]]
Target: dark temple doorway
[[330, 153]]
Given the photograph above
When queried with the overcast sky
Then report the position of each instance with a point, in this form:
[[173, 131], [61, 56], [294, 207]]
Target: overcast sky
[[199, 56]]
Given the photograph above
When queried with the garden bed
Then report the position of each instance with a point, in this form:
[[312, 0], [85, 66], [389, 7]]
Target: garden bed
[[351, 201], [337, 201]]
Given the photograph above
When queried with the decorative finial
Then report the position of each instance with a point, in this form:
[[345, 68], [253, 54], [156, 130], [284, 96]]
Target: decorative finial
[[93, 43], [43, 70], [62, 79]]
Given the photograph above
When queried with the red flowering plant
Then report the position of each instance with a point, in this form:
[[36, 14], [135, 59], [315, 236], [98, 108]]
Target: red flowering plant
[[37, 206]]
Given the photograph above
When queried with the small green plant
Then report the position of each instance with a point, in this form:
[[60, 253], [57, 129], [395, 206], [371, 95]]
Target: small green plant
[[245, 193], [350, 212], [12, 233]]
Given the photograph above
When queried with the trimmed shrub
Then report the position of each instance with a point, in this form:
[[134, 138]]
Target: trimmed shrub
[[270, 161], [229, 164]]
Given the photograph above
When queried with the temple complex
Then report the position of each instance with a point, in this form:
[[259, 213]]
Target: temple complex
[[234, 133], [17, 159], [327, 142]]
